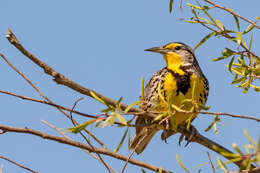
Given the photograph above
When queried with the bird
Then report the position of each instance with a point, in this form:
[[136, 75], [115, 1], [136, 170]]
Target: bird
[[177, 79]]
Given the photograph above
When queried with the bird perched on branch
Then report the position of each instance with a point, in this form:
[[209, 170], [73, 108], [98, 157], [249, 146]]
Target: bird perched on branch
[[181, 84]]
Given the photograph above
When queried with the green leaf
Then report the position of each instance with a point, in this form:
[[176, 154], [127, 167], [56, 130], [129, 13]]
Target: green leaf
[[237, 22], [209, 16], [216, 119], [239, 38], [257, 89], [181, 5], [118, 104], [249, 28], [222, 165], [227, 52], [206, 7], [230, 64], [203, 107], [108, 109], [204, 40], [181, 164], [237, 80], [143, 171], [98, 122], [160, 92], [173, 123], [121, 118], [191, 21], [160, 170], [210, 126], [219, 58], [110, 120], [142, 87], [191, 117], [170, 109], [249, 138], [220, 24], [194, 12], [258, 154], [121, 141], [242, 62], [250, 43], [215, 128], [194, 6], [171, 5], [234, 145], [80, 127], [245, 90], [96, 97], [193, 89], [248, 165], [130, 106], [158, 117]]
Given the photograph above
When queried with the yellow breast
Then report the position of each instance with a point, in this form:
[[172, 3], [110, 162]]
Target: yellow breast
[[170, 85]]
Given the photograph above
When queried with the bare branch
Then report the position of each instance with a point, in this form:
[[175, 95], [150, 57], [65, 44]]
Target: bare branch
[[47, 103], [92, 155], [231, 115], [85, 138], [79, 145], [213, 168], [17, 164], [58, 77]]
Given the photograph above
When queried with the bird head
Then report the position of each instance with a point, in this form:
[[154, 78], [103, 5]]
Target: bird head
[[175, 54]]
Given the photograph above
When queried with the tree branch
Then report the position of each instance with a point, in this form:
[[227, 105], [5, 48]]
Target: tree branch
[[233, 13], [17, 164], [76, 144]]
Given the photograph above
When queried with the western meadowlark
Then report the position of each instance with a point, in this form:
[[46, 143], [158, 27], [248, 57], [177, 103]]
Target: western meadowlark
[[181, 73]]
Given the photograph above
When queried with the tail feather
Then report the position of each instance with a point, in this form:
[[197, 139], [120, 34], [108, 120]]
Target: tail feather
[[142, 139]]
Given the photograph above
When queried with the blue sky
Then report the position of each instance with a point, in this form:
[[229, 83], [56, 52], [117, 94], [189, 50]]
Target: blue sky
[[100, 44]]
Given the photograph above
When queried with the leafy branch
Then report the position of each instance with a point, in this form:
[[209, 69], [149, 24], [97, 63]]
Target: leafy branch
[[243, 64]]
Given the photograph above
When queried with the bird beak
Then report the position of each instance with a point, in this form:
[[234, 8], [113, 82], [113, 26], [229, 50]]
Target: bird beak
[[160, 50]]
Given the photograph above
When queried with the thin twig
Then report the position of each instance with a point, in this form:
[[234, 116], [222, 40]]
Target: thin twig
[[64, 108], [55, 128], [233, 13], [65, 136], [226, 35], [129, 157], [230, 115], [88, 132], [48, 103], [46, 98], [17, 164], [80, 145], [85, 138], [210, 161]]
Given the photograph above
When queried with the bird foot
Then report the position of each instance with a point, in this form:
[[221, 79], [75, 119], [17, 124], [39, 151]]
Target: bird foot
[[188, 134]]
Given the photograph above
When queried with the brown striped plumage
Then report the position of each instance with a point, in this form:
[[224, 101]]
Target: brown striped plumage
[[178, 76]]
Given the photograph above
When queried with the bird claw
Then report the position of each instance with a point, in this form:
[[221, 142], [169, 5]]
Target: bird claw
[[181, 139], [193, 133]]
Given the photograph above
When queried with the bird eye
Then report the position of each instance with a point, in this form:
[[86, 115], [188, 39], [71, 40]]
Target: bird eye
[[177, 47]]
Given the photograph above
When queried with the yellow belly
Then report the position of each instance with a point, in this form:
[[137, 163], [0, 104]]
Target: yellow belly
[[171, 86]]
